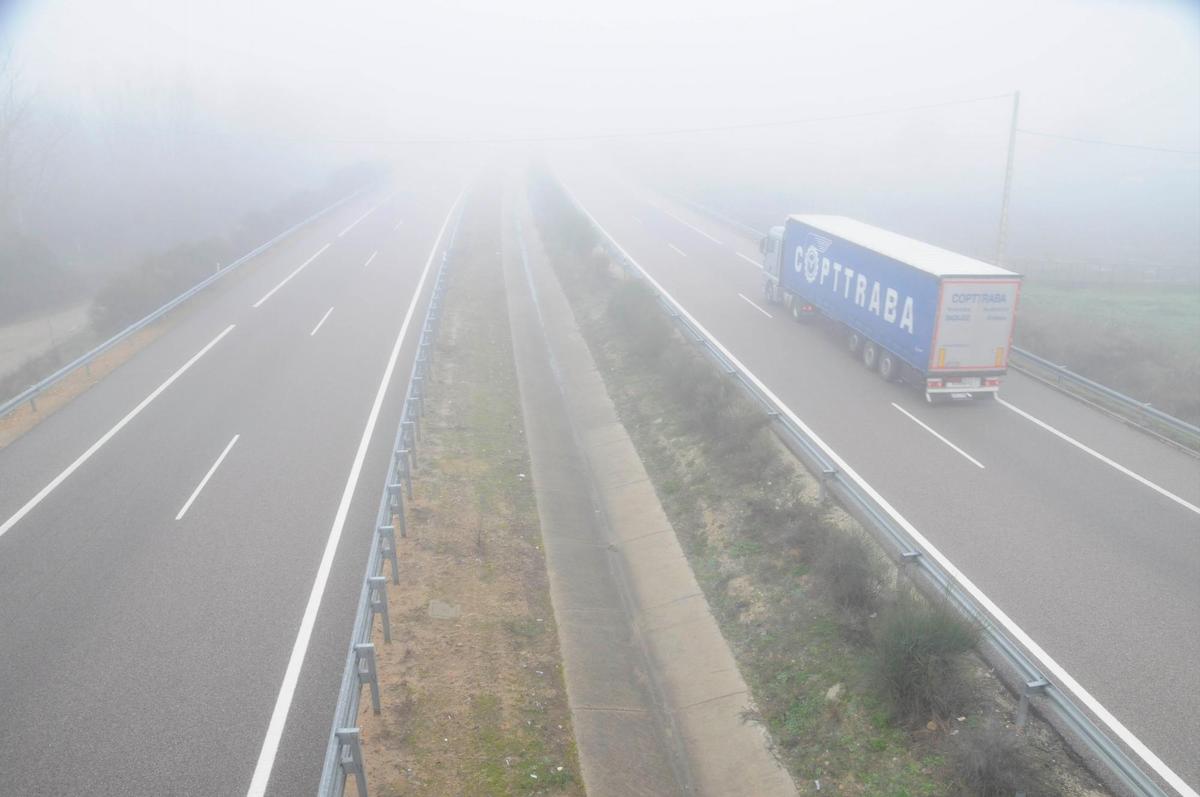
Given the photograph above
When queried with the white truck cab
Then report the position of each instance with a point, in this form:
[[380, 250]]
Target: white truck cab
[[772, 252]]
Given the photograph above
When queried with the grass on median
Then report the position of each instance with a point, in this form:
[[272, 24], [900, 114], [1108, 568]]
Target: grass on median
[[473, 704], [863, 685]]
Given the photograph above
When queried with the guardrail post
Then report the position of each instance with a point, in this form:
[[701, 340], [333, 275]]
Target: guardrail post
[[826, 474], [1031, 687], [418, 391], [401, 470], [409, 437], [350, 758], [395, 492], [364, 664], [379, 604], [387, 547]]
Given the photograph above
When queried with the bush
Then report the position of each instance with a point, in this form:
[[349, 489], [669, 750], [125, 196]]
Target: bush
[[993, 761], [919, 649], [157, 279], [634, 309], [850, 566]]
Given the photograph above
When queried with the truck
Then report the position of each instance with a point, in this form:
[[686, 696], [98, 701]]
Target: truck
[[912, 312]]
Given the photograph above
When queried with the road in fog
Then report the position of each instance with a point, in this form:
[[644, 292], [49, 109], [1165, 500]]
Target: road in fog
[[149, 600], [1095, 559]]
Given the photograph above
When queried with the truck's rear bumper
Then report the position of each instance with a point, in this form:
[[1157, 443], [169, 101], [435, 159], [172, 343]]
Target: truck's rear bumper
[[961, 387]]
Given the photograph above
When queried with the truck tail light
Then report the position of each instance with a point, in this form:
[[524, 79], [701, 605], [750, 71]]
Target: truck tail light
[[933, 383], [991, 381]]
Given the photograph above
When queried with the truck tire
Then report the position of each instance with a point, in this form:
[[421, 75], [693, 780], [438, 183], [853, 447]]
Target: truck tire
[[889, 367], [870, 355], [797, 315], [769, 292], [854, 342]]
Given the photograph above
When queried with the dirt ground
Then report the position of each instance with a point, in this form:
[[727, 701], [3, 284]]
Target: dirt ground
[[472, 687], [25, 417]]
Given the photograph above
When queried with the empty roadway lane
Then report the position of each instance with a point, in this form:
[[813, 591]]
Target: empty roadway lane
[[162, 534]]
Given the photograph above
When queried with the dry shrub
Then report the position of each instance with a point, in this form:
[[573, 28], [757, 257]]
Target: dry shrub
[[993, 761], [920, 648]]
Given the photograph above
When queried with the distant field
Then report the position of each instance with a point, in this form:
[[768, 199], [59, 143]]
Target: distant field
[[1144, 341], [1167, 314]]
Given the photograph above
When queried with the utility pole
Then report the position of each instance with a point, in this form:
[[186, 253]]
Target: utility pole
[[1001, 239]]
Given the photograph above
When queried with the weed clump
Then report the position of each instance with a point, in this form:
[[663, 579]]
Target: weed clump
[[634, 309], [993, 761], [852, 571], [920, 649]]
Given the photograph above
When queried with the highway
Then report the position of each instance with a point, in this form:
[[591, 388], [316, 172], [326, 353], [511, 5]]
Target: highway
[[1082, 530], [165, 627]]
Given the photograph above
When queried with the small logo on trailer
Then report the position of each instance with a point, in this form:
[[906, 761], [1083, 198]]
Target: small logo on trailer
[[818, 245]]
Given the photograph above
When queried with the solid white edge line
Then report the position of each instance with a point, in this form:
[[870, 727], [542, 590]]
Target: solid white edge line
[[692, 227], [86, 455], [677, 249], [319, 323], [207, 476], [1054, 668], [285, 280], [283, 703], [922, 424], [751, 302], [371, 258], [354, 223], [749, 260], [1112, 464]]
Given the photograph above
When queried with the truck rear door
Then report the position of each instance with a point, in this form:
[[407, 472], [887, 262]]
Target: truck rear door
[[974, 325]]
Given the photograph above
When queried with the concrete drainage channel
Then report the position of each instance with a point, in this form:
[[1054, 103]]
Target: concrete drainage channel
[[343, 752]]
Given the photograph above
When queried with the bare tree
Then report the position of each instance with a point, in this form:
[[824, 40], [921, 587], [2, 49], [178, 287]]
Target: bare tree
[[14, 120]]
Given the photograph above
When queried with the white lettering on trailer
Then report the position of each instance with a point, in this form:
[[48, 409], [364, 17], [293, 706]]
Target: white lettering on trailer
[[882, 300], [906, 316]]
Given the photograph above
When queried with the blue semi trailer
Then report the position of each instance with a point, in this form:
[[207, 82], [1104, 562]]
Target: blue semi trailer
[[912, 311]]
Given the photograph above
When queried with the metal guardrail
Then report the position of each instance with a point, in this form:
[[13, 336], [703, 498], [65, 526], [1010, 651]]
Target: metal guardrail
[[1053, 695], [343, 752], [1065, 378], [31, 393]]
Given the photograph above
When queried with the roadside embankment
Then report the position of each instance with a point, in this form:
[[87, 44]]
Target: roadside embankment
[[866, 685]]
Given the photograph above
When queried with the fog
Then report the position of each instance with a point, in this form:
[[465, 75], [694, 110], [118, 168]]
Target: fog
[[147, 123]]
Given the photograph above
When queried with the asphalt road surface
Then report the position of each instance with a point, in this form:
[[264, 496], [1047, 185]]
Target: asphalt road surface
[[161, 536], [1084, 531]]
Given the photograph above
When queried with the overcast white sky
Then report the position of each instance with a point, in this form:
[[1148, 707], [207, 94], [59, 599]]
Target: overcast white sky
[[373, 71]]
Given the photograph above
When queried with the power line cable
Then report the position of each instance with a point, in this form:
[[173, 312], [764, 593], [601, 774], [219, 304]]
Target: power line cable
[[1107, 143]]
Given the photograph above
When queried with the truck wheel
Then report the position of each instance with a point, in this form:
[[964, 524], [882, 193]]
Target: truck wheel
[[797, 313], [769, 292], [854, 342], [870, 355], [887, 366]]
